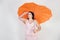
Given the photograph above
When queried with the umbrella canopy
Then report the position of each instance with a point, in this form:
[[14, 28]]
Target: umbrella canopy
[[42, 13]]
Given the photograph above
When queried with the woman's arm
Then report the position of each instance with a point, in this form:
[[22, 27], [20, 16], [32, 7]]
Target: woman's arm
[[22, 19], [38, 27]]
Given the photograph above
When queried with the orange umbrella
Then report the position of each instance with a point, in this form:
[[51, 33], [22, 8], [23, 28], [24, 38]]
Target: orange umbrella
[[41, 13]]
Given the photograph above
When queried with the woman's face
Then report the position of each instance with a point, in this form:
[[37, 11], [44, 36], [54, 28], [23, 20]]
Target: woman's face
[[29, 15]]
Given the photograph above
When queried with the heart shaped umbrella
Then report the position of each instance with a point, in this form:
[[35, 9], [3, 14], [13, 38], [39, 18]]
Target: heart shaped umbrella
[[42, 13]]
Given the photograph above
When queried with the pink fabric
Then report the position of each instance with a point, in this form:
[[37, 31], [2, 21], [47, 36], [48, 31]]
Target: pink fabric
[[30, 35]]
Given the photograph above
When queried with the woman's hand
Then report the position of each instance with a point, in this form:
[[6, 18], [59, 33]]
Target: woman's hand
[[35, 31], [24, 13]]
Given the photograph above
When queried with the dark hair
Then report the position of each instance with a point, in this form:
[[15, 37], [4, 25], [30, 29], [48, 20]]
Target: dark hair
[[32, 14]]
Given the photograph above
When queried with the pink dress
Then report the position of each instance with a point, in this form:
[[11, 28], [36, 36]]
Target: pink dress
[[30, 35]]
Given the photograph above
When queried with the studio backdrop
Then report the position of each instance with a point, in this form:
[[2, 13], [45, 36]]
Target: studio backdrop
[[11, 28]]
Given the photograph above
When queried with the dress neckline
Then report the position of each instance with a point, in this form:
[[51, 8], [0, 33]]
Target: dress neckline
[[31, 22]]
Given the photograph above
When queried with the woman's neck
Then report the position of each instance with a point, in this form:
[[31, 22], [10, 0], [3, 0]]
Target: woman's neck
[[31, 19]]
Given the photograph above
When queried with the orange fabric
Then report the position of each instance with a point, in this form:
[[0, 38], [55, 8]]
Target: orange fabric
[[41, 13]]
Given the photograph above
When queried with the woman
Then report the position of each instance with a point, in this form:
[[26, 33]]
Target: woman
[[32, 26]]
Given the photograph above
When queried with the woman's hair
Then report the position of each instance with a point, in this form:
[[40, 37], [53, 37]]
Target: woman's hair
[[32, 14]]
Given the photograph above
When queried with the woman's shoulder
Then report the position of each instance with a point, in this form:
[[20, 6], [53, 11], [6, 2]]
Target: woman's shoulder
[[35, 21]]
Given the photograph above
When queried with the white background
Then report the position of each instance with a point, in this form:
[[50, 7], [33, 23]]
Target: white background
[[11, 28]]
